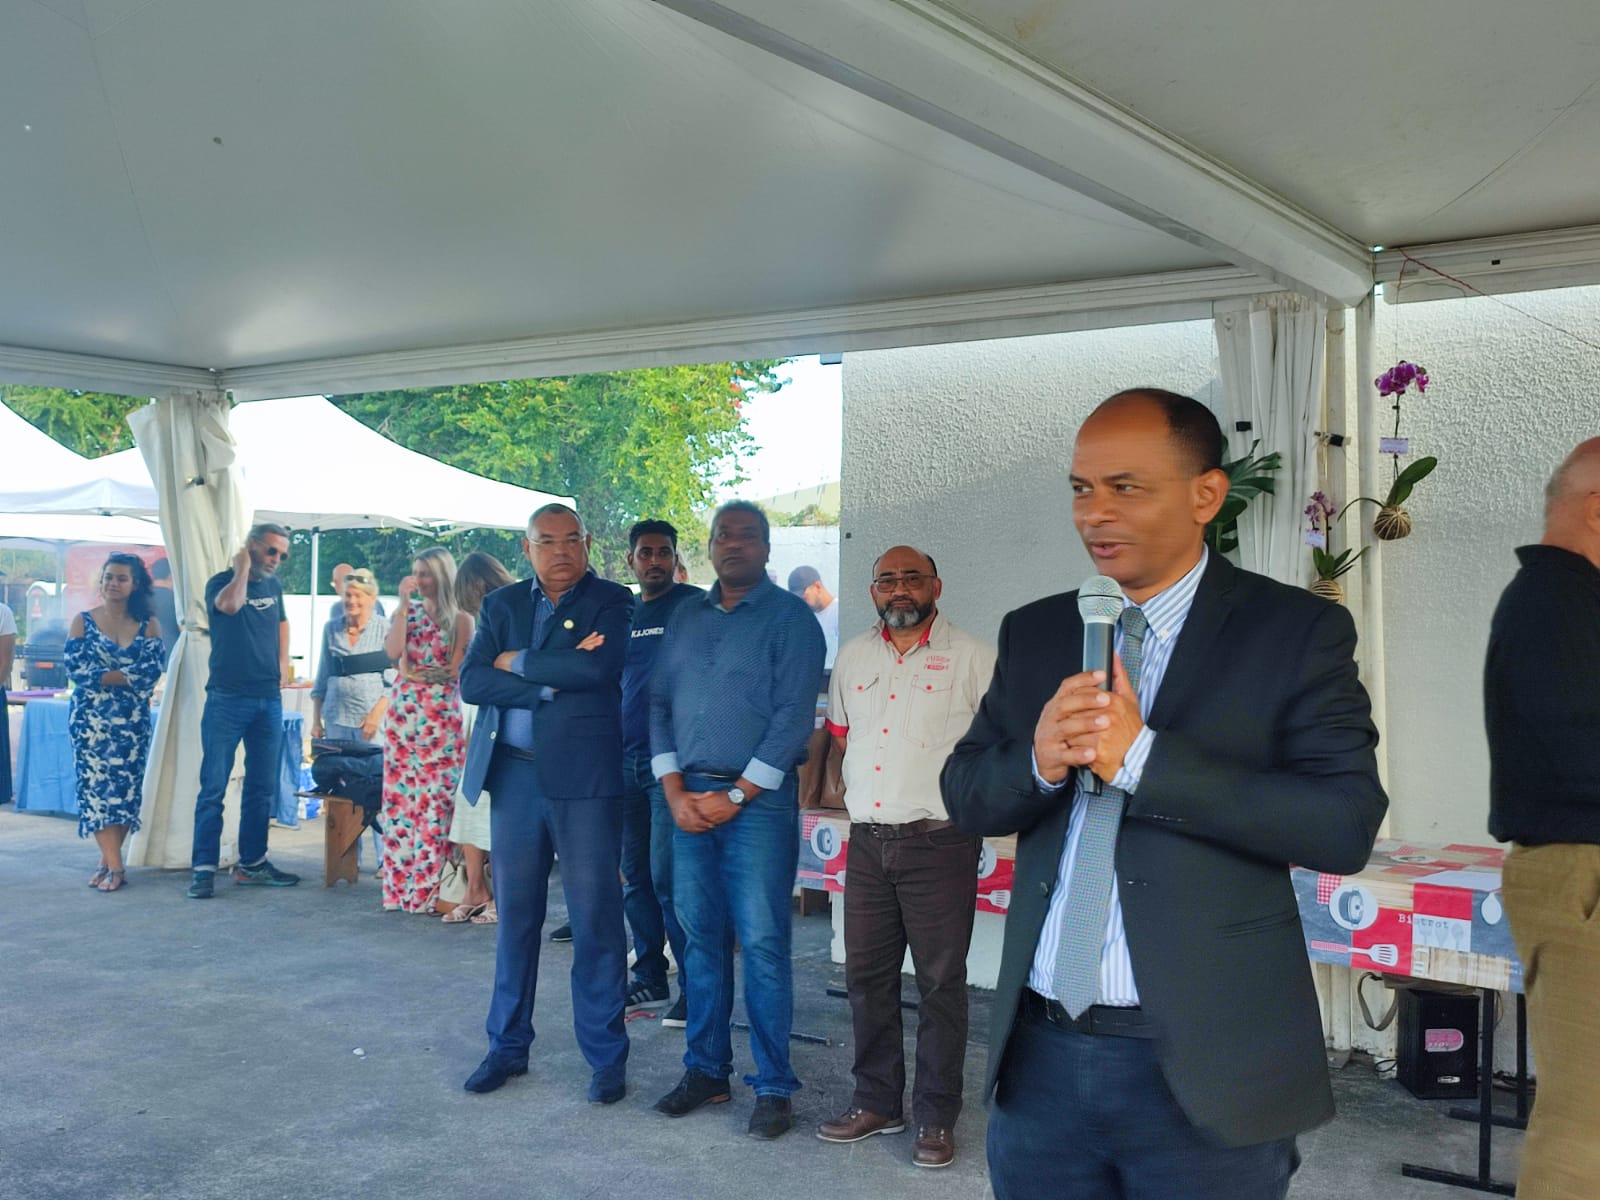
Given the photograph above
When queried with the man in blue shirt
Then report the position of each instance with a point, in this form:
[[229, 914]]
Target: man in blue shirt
[[647, 824], [249, 664], [545, 669], [732, 704]]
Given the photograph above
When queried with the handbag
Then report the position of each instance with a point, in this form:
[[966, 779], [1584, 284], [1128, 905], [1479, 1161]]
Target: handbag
[[453, 883]]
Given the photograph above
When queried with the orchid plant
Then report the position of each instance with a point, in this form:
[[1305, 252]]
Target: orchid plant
[[1393, 521], [1320, 516]]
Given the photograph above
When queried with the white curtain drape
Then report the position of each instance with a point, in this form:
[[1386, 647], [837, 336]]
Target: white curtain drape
[[1271, 362], [204, 519]]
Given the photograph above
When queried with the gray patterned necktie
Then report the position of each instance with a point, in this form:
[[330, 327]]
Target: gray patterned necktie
[[1076, 981]]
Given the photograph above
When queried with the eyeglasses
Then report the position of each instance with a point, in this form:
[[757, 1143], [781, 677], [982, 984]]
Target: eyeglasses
[[910, 580]]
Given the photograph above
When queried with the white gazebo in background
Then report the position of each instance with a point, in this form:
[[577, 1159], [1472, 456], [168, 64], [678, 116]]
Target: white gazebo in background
[[248, 200]]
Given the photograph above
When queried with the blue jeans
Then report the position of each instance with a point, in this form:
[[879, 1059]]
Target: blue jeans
[[257, 721], [1090, 1117], [645, 916], [528, 830], [737, 879]]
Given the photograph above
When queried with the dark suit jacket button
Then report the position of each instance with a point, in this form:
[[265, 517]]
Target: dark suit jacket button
[[1044, 889]]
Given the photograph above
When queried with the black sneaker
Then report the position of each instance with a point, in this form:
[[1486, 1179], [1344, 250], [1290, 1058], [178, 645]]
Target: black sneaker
[[772, 1118], [202, 886], [564, 934], [677, 1017], [693, 1090], [648, 995], [264, 874]]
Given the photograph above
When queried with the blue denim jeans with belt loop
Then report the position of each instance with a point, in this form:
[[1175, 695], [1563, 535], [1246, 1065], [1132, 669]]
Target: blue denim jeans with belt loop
[[738, 879], [257, 721]]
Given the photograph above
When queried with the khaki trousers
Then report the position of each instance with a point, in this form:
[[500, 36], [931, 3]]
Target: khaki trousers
[[1552, 897]]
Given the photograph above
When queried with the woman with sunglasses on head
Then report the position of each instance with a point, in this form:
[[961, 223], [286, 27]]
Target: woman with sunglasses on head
[[423, 746], [114, 655]]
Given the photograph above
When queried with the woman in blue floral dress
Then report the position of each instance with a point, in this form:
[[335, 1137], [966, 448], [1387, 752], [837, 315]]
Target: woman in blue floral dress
[[115, 656]]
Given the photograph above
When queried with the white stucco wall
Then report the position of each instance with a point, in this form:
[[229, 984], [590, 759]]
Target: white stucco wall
[[1508, 399], [962, 450]]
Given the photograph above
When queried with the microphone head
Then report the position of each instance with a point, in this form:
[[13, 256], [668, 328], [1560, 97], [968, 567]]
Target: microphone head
[[1100, 600]]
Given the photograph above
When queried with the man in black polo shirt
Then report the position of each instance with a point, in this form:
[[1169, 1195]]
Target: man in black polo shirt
[[249, 663], [1541, 692]]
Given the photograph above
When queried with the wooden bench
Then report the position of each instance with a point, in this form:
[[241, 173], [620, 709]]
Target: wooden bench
[[341, 838]]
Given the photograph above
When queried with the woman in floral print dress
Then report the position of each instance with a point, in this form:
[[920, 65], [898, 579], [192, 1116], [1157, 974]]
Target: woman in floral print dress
[[423, 743], [115, 657]]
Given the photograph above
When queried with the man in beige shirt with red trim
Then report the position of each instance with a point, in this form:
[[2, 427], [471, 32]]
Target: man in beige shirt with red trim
[[902, 695]]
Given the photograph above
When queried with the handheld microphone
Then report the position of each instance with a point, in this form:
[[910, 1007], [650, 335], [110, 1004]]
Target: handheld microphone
[[1099, 605]]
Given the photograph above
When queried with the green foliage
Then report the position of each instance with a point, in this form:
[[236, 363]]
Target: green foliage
[[1408, 479], [625, 444], [811, 514], [90, 423], [1331, 566], [1248, 477]]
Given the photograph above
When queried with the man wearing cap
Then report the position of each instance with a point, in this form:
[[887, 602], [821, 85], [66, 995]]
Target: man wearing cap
[[901, 696], [806, 582]]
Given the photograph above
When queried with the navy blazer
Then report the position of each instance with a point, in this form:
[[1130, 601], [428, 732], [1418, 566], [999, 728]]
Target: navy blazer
[[1264, 756], [577, 735]]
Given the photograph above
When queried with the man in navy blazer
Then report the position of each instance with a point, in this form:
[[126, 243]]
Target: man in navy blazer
[[545, 669]]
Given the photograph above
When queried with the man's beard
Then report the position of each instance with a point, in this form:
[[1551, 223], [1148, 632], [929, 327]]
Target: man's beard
[[902, 617]]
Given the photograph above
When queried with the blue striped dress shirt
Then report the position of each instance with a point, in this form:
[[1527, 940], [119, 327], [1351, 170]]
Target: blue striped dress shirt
[[1166, 613]]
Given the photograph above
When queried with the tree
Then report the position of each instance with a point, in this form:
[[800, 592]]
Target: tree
[[624, 444], [90, 423]]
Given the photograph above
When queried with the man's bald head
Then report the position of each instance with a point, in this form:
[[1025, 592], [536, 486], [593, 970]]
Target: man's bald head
[[1572, 502]]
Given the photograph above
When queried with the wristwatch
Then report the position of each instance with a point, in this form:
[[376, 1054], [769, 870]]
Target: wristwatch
[[736, 797]]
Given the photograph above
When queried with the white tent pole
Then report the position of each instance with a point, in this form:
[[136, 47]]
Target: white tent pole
[[1371, 617], [316, 569]]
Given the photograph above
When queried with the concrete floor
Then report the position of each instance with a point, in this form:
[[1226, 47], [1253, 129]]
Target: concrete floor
[[302, 1043]]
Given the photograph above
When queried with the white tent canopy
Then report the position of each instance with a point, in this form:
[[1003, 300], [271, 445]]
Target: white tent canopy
[[44, 530], [40, 475], [276, 199], [309, 465]]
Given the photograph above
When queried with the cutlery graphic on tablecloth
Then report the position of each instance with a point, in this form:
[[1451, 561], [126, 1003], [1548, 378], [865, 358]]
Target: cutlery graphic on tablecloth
[[1385, 955]]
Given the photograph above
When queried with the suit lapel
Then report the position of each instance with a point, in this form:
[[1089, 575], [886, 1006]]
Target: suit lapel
[[571, 598], [1212, 604]]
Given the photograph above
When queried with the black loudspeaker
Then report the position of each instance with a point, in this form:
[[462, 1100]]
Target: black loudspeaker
[[1437, 1056]]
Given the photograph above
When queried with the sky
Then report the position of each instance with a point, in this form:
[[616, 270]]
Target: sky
[[798, 432]]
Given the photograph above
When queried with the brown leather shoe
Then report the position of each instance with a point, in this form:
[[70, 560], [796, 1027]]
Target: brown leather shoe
[[857, 1123], [936, 1146]]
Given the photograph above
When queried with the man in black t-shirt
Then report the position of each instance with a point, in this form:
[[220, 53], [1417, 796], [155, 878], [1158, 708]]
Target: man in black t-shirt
[[647, 823], [249, 663]]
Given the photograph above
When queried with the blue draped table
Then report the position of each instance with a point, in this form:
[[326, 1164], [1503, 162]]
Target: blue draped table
[[47, 783]]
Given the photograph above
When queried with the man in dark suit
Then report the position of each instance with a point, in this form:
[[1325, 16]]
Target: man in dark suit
[[545, 669], [1156, 1027]]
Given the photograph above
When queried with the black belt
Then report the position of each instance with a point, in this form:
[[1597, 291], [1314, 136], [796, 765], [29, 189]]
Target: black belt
[[1103, 1020], [907, 829]]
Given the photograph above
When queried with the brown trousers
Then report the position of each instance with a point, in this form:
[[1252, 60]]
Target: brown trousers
[[1552, 897], [916, 890]]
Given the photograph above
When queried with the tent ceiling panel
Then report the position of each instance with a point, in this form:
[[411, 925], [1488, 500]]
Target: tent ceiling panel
[[1398, 123], [221, 183]]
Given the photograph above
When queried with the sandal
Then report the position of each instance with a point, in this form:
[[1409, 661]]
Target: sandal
[[113, 881], [488, 916], [99, 875], [462, 913]]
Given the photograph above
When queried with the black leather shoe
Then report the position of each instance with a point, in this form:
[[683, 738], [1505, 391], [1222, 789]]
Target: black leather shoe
[[493, 1072], [772, 1118], [692, 1091]]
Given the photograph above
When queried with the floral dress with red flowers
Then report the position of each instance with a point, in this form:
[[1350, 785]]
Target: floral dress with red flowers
[[423, 749]]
